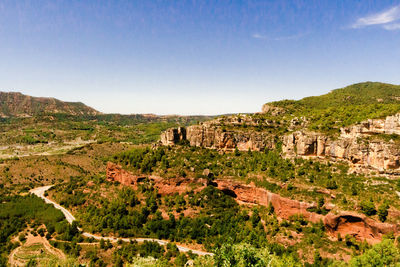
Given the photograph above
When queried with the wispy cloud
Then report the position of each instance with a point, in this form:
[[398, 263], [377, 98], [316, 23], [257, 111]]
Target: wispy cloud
[[258, 36], [384, 19], [280, 38], [392, 27]]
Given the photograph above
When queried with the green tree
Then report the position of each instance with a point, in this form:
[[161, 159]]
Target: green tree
[[181, 260], [317, 258], [102, 244], [382, 254], [368, 207], [383, 212]]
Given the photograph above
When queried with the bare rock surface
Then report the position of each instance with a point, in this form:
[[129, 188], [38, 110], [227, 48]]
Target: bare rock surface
[[356, 144], [212, 135]]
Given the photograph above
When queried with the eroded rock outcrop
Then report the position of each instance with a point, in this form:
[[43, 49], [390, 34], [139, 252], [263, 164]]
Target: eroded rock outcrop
[[353, 145], [362, 145], [345, 223], [389, 125], [209, 136], [283, 207], [357, 225], [115, 173], [173, 136]]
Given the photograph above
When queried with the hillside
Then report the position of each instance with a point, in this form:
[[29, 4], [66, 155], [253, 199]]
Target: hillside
[[342, 107], [15, 104]]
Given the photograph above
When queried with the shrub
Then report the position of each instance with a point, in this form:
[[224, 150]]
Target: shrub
[[383, 212], [368, 208]]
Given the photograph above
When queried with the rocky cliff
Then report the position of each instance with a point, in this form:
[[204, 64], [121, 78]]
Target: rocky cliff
[[115, 173], [14, 104], [343, 222], [213, 135], [365, 145], [352, 223]]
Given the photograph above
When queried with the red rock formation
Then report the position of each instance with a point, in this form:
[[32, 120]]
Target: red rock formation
[[177, 185], [357, 225], [283, 207], [116, 173], [165, 186]]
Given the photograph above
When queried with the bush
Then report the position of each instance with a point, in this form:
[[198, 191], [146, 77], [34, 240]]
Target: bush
[[368, 208], [21, 237], [382, 254], [383, 212]]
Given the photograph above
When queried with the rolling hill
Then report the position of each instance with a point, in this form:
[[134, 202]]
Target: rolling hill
[[15, 104]]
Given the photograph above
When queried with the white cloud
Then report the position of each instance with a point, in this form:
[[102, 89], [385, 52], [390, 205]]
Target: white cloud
[[259, 36], [382, 18], [392, 27]]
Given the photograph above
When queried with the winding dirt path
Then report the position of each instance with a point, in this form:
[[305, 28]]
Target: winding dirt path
[[32, 240], [39, 191]]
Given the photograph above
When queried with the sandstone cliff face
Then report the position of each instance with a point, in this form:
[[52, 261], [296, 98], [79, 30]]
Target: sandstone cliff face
[[357, 144], [173, 136], [389, 125], [357, 225], [208, 135], [283, 207], [345, 223], [115, 173], [353, 145], [216, 138]]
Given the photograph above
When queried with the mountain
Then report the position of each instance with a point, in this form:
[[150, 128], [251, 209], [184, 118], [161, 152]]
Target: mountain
[[15, 104]]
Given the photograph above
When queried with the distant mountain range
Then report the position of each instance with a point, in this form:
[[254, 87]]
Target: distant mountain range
[[15, 104], [340, 107]]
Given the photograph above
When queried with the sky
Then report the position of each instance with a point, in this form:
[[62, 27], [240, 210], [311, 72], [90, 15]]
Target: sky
[[194, 57]]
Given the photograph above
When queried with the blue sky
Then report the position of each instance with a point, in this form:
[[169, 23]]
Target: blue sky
[[194, 57]]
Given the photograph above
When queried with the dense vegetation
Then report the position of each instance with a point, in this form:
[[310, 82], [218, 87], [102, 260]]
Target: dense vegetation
[[339, 108], [299, 178], [58, 128], [207, 217], [139, 213]]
